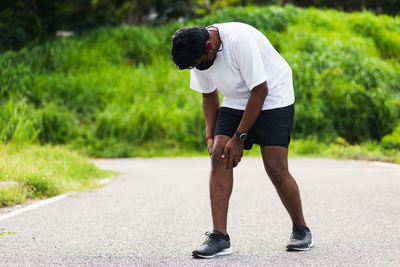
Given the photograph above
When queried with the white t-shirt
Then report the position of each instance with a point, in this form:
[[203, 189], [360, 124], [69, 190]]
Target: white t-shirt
[[247, 59]]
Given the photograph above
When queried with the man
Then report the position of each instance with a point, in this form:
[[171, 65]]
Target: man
[[257, 108]]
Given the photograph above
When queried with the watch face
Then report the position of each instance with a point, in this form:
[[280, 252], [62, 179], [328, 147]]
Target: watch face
[[243, 136]]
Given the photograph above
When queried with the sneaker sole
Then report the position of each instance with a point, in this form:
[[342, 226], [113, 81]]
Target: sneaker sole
[[301, 249], [223, 252]]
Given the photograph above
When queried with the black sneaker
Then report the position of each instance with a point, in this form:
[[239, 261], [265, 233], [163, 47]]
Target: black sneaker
[[300, 239], [216, 244]]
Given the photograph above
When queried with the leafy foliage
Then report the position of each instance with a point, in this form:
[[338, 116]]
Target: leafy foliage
[[115, 91], [392, 141], [23, 22]]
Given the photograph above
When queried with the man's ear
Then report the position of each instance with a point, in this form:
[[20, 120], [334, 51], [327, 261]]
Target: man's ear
[[208, 45]]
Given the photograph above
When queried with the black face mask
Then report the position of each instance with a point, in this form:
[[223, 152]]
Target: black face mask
[[206, 64]]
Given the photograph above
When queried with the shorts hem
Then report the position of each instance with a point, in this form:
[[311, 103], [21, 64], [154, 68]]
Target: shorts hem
[[282, 145]]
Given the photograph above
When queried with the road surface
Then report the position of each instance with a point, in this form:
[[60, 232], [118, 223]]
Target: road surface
[[157, 211]]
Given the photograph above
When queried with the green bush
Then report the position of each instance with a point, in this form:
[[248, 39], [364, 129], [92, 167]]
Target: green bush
[[357, 115], [116, 92], [268, 19], [16, 122], [392, 141], [383, 30], [15, 78], [56, 125]]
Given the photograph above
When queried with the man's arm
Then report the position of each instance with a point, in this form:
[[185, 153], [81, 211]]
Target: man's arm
[[210, 109], [253, 107], [234, 147]]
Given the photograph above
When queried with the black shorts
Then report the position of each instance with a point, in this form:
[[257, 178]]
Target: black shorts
[[273, 127]]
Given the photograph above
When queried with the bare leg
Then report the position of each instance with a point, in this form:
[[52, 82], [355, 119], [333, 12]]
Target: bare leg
[[276, 164], [221, 183]]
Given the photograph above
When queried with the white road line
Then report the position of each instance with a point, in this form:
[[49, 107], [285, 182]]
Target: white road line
[[34, 206], [104, 181], [44, 202], [386, 165]]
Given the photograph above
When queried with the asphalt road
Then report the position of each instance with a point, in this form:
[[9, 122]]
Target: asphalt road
[[157, 211]]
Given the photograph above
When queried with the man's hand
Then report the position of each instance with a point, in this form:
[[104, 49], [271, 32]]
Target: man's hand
[[233, 152], [210, 143]]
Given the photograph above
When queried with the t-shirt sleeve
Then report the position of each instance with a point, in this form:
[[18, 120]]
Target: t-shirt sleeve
[[200, 82], [248, 57]]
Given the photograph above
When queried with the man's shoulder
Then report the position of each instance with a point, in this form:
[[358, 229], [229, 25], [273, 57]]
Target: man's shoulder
[[233, 25], [238, 31]]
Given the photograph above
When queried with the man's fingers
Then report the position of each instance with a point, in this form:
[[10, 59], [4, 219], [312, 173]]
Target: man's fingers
[[234, 163], [236, 159], [210, 144], [227, 157], [226, 152], [230, 163]]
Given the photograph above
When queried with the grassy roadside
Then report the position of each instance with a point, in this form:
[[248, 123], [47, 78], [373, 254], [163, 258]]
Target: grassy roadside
[[298, 148], [339, 149], [35, 172]]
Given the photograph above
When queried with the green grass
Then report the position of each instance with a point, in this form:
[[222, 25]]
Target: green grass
[[4, 232], [340, 149], [35, 172]]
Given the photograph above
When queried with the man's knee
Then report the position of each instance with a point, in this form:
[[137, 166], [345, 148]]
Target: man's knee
[[217, 162], [277, 173]]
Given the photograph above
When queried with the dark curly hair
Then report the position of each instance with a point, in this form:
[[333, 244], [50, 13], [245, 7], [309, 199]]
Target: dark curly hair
[[188, 44]]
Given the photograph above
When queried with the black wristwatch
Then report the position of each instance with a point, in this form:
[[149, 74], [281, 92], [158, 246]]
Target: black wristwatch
[[242, 136]]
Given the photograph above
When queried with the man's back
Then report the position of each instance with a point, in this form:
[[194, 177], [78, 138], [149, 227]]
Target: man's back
[[246, 59]]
